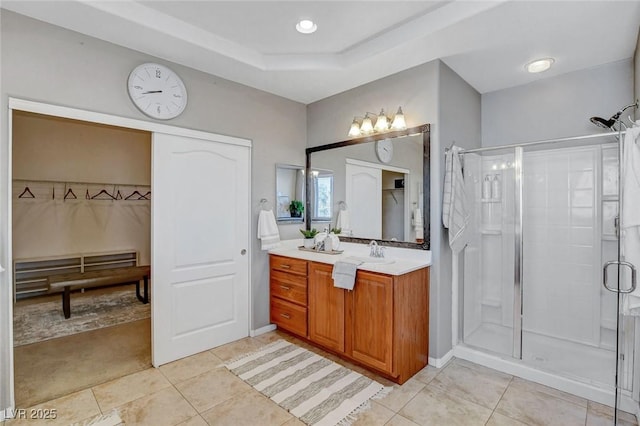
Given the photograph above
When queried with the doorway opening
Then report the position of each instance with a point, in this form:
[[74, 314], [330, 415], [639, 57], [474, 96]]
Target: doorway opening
[[80, 202]]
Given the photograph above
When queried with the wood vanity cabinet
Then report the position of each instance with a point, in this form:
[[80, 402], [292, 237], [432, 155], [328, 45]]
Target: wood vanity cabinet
[[326, 308], [370, 320], [382, 324], [288, 287]]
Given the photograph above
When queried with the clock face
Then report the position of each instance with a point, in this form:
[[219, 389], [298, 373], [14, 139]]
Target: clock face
[[384, 150], [157, 91]]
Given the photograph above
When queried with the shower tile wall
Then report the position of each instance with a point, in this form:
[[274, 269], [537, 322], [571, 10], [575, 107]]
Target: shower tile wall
[[561, 257]]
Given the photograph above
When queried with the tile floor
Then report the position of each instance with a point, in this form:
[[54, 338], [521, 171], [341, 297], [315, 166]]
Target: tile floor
[[199, 391]]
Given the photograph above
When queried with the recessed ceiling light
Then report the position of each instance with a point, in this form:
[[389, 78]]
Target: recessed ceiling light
[[539, 65], [306, 26]]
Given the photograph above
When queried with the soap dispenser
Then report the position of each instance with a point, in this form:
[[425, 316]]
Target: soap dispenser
[[486, 188], [496, 188]]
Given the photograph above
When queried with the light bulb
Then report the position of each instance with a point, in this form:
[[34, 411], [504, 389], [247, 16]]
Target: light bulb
[[355, 128], [398, 121], [382, 123], [367, 126]]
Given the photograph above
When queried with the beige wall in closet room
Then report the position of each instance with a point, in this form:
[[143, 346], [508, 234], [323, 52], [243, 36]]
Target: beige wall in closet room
[[52, 155]]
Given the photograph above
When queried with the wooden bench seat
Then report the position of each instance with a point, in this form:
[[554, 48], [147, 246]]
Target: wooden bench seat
[[65, 283]]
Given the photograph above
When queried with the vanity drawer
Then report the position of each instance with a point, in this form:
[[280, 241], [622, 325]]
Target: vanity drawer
[[288, 264], [288, 286], [289, 316]]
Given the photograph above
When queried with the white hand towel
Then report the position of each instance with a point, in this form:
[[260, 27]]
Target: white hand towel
[[344, 273], [343, 221], [417, 218], [268, 232], [629, 217], [454, 210]]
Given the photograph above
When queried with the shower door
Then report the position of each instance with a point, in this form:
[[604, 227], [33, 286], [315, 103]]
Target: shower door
[[489, 258], [543, 222]]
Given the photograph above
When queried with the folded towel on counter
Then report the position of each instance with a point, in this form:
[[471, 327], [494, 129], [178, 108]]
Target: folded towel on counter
[[344, 273], [268, 232]]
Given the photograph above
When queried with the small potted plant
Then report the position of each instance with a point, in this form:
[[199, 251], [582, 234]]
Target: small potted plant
[[296, 208], [309, 237]]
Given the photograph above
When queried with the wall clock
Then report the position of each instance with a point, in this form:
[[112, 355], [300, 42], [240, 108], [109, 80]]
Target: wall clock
[[384, 150], [157, 91]]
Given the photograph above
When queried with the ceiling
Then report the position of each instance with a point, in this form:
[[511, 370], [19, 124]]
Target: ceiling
[[255, 42]]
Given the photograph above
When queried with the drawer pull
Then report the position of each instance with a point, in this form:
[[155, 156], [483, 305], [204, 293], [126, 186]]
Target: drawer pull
[[284, 287], [287, 316], [285, 266]]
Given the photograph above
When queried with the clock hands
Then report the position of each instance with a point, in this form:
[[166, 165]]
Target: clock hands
[[151, 91]]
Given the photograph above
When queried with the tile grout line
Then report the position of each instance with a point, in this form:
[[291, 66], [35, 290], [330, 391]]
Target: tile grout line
[[500, 399], [198, 414]]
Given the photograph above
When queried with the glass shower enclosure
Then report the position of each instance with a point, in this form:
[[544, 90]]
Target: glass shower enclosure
[[543, 221]]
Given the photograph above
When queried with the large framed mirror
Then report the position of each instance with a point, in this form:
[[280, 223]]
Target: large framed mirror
[[379, 187], [290, 193]]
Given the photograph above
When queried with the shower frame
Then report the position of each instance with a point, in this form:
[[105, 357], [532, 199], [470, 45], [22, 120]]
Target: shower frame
[[518, 150]]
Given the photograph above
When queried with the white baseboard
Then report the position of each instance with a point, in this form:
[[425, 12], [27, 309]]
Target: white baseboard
[[441, 362], [262, 330]]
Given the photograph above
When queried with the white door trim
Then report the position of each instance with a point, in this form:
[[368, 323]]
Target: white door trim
[[377, 166], [115, 120], [6, 297]]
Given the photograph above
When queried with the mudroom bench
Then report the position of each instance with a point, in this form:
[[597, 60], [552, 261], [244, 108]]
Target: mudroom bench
[[65, 283], [63, 274]]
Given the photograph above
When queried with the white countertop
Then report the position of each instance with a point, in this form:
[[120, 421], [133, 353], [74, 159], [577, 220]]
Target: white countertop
[[403, 260]]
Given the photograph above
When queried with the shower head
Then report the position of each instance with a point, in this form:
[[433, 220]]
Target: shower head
[[608, 124], [601, 122]]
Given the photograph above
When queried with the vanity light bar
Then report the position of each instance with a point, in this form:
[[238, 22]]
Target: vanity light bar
[[383, 124]]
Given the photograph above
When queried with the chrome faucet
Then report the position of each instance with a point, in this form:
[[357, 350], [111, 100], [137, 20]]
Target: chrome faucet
[[376, 250]]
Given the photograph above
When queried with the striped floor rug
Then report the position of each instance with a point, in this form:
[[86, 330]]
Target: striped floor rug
[[314, 389]]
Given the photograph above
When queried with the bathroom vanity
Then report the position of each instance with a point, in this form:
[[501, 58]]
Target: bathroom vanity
[[383, 324]]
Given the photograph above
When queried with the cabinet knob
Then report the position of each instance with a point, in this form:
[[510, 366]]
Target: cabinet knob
[[287, 316], [285, 266], [284, 287]]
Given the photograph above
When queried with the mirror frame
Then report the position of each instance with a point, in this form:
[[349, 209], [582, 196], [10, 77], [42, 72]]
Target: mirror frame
[[425, 130]]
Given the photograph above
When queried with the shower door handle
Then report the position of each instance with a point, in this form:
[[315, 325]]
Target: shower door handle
[[620, 263]]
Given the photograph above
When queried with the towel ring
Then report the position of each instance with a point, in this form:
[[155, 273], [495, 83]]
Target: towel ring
[[342, 205], [264, 204]]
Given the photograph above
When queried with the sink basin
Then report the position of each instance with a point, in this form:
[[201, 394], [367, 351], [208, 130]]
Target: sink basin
[[368, 259]]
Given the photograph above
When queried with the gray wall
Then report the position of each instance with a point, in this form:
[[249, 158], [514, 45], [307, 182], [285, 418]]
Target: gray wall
[[557, 106], [424, 97], [46, 63], [459, 115]]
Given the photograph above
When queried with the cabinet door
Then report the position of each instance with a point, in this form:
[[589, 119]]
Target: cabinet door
[[371, 305], [326, 308]]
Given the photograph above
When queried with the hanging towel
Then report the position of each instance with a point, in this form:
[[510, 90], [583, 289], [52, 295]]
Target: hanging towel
[[454, 211], [343, 222], [418, 224], [629, 216], [344, 273], [268, 230]]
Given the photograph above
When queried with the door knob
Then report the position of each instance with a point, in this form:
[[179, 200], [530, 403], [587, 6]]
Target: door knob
[[243, 252]]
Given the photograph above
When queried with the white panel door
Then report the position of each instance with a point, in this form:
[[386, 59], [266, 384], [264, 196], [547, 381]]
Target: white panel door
[[364, 199], [200, 240]]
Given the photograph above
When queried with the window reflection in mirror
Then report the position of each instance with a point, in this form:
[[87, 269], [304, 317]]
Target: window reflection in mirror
[[290, 192], [321, 195]]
